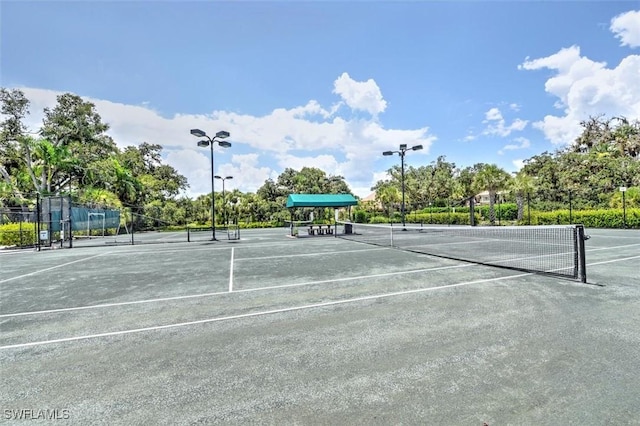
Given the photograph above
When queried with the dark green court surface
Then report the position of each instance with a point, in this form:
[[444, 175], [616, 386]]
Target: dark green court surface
[[319, 330]]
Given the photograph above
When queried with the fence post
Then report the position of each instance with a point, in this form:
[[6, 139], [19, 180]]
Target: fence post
[[38, 212], [71, 222]]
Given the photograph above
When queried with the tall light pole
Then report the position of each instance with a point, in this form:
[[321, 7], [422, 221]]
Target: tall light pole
[[224, 200], [209, 142], [401, 152]]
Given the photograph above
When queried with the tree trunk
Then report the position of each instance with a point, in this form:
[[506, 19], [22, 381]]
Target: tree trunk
[[520, 204], [7, 178], [492, 210]]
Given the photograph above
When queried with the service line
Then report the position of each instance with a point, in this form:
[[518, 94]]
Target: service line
[[247, 290], [262, 313]]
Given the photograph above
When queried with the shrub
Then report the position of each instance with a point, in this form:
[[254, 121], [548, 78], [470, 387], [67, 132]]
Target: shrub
[[16, 234], [378, 219], [632, 198], [610, 218], [503, 211], [440, 218], [360, 216]]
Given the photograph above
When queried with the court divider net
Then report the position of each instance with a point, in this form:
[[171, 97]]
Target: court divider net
[[553, 250]]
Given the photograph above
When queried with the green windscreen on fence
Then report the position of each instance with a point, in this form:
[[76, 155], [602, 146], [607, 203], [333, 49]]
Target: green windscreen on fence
[[83, 218]]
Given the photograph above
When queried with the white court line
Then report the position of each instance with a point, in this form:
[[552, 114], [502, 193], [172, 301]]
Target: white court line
[[52, 267], [185, 247], [10, 252], [153, 250], [613, 247], [257, 314], [231, 270], [614, 260], [219, 293], [613, 236], [166, 299], [315, 253], [170, 235]]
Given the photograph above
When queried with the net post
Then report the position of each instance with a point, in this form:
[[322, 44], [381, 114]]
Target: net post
[[582, 258]]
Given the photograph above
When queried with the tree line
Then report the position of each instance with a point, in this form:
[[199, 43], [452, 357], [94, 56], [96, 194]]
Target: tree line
[[72, 153], [588, 174]]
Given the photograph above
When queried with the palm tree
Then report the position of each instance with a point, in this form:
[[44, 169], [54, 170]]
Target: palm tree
[[99, 198], [125, 185], [388, 195], [521, 185], [491, 178], [626, 137]]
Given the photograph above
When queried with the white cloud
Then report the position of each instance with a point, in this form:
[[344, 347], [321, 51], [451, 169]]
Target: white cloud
[[306, 135], [522, 143], [586, 88], [518, 164], [246, 171], [626, 27], [326, 162], [194, 165], [360, 95], [365, 190], [496, 124], [493, 114], [514, 107]]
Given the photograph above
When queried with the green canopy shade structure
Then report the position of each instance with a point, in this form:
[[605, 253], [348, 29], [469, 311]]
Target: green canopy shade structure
[[321, 200], [314, 201]]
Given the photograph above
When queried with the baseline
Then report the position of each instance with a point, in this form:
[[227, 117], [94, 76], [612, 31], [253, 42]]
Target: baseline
[[52, 267]]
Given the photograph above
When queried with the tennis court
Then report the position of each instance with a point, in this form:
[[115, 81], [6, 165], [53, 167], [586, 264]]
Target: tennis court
[[317, 330]]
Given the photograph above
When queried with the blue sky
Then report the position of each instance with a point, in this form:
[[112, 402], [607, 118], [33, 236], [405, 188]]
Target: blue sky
[[330, 84]]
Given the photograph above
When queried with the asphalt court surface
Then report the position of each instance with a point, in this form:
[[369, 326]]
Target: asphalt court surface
[[318, 330]]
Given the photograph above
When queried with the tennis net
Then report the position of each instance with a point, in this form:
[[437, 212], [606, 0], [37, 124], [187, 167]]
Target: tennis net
[[553, 250]]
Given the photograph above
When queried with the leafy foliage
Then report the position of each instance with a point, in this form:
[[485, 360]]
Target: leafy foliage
[[71, 153], [18, 234]]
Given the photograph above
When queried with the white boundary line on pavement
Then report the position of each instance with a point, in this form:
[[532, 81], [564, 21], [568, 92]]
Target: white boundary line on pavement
[[257, 314], [220, 293]]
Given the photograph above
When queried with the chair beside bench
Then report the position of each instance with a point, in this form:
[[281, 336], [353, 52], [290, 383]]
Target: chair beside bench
[[320, 230]]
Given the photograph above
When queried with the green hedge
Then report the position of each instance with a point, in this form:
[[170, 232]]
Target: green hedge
[[440, 218], [434, 218], [505, 211], [241, 225], [14, 234], [360, 216], [458, 209], [378, 219], [610, 218]]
